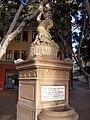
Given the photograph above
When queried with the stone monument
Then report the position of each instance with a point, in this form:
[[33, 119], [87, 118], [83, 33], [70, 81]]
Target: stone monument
[[43, 78]]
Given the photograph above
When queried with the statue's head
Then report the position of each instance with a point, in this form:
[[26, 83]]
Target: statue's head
[[40, 8]]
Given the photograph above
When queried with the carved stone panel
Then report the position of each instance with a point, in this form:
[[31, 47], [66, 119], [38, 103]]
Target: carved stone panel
[[28, 73], [53, 73], [44, 73], [27, 92]]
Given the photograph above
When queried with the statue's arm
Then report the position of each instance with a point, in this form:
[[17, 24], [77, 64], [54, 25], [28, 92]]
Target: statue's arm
[[39, 17], [50, 25], [40, 14]]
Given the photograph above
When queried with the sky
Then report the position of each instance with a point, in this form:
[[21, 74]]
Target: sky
[[74, 30]]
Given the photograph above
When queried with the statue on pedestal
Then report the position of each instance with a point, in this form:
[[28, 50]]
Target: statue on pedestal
[[43, 44], [45, 24]]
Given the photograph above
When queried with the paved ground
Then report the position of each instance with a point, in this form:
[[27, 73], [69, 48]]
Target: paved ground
[[8, 100], [79, 99]]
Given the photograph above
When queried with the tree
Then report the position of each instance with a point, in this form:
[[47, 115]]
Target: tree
[[62, 11], [83, 23], [27, 15], [12, 33], [61, 16], [80, 11]]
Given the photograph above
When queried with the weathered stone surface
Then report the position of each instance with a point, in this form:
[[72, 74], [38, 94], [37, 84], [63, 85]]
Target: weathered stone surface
[[24, 112], [35, 75], [58, 113], [44, 49]]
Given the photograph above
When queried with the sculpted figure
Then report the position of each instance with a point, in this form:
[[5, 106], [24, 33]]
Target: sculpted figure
[[45, 24], [43, 44]]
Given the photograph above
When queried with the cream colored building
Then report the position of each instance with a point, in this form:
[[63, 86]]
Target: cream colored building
[[19, 47]]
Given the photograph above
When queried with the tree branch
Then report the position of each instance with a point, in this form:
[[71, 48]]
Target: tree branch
[[79, 64], [10, 36], [78, 55], [87, 7], [13, 22], [64, 45]]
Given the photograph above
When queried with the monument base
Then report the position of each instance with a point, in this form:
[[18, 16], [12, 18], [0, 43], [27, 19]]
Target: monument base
[[25, 112], [58, 113], [43, 83]]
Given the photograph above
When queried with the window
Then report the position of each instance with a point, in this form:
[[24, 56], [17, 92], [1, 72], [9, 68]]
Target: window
[[24, 54], [34, 33], [9, 55], [18, 38], [25, 36], [16, 54]]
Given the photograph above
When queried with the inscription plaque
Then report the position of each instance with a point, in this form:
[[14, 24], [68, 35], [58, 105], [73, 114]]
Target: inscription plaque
[[52, 93]]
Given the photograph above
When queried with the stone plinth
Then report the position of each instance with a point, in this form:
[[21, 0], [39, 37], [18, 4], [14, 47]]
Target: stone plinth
[[43, 83]]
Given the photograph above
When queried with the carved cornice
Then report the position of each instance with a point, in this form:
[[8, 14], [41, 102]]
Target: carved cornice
[[44, 73], [44, 62], [28, 73]]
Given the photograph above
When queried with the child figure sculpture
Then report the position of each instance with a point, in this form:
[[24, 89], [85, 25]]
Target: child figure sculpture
[[44, 25], [43, 44]]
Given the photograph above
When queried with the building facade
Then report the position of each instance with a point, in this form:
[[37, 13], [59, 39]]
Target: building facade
[[17, 49], [8, 75]]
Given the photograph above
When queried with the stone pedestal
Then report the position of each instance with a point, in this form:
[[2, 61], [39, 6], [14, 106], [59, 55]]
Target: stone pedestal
[[43, 83]]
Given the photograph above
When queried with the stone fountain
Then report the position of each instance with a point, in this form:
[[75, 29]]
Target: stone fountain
[[44, 79]]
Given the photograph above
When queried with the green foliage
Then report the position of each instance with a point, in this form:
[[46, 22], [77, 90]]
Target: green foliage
[[85, 49], [83, 23], [63, 11], [8, 9]]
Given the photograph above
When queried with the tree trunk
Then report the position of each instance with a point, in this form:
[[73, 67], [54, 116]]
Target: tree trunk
[[13, 23], [82, 69], [11, 35], [87, 7], [88, 79]]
